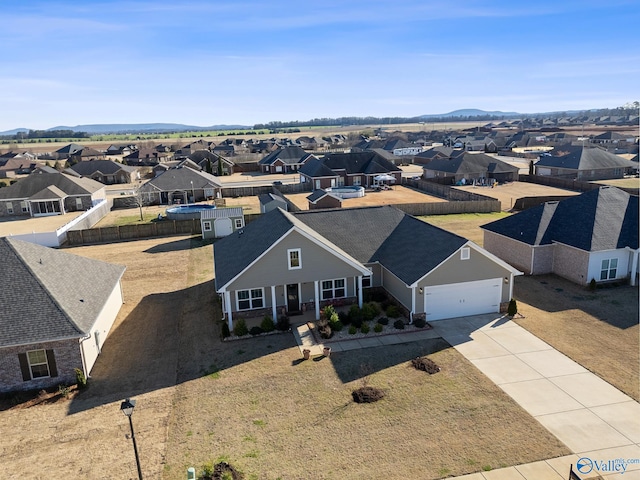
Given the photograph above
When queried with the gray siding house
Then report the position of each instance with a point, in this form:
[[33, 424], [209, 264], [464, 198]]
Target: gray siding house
[[589, 236], [57, 310], [303, 261]]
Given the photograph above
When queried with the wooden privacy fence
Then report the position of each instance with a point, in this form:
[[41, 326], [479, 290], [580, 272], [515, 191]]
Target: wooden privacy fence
[[133, 232], [569, 184], [444, 208]]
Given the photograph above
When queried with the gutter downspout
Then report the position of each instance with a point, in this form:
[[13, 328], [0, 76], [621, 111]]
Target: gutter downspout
[[84, 362]]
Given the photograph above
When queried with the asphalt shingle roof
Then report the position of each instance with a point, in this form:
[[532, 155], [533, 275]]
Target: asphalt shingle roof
[[408, 247], [462, 162], [39, 180], [106, 167], [602, 219], [290, 155], [181, 178], [583, 158], [49, 294]]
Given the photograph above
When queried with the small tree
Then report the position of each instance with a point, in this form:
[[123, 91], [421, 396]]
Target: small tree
[[220, 167], [513, 308]]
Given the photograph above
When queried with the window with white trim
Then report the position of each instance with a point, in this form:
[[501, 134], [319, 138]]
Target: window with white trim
[[206, 226], [78, 203], [366, 279], [239, 223], [250, 299], [295, 258], [9, 208], [357, 180], [38, 364], [24, 207], [334, 288], [465, 253], [609, 269]]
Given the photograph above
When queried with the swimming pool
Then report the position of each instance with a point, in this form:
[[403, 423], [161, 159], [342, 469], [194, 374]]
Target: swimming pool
[[188, 212], [347, 192]]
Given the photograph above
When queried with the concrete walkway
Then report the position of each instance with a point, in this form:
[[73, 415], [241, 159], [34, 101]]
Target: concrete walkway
[[592, 418]]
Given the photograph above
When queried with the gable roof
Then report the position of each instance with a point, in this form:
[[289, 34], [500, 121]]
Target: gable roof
[[106, 167], [316, 168], [318, 194], [40, 179], [462, 162], [367, 235], [582, 158], [180, 179], [602, 219], [43, 299], [289, 155], [367, 162]]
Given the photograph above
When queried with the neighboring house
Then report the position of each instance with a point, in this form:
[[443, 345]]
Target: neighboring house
[[76, 153], [357, 168], [589, 236], [147, 156], [305, 260], [212, 163], [121, 149], [107, 171], [48, 192], [271, 201], [322, 199], [583, 163], [221, 222], [11, 167], [400, 147], [431, 154], [57, 311], [470, 167], [285, 160], [180, 185]]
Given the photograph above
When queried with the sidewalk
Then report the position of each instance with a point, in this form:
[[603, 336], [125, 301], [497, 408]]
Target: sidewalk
[[595, 420]]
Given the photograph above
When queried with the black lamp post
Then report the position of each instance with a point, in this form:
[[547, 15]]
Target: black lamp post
[[127, 409]]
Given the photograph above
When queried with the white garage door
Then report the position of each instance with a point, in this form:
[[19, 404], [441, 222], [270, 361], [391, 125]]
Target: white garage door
[[462, 299], [222, 227]]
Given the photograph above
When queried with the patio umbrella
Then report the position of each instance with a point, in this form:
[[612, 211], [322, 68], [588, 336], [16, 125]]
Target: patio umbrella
[[385, 178]]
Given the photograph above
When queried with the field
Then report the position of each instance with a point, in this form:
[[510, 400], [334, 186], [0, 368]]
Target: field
[[253, 402]]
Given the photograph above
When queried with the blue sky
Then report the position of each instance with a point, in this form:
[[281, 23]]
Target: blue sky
[[245, 62]]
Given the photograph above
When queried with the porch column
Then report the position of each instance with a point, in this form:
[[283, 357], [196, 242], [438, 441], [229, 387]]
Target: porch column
[[413, 304], [510, 286], [274, 310], [316, 302], [634, 267], [360, 291], [227, 302]]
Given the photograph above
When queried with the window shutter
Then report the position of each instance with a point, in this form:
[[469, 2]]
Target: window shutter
[[24, 366], [51, 360]]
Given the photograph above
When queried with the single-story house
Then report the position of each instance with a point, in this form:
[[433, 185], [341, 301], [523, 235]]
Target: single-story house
[[212, 162], [470, 167], [285, 160], [57, 311], [48, 192], [589, 236], [356, 168], [583, 163], [10, 167], [220, 222], [319, 199], [271, 201], [107, 171], [147, 156], [302, 261], [180, 185]]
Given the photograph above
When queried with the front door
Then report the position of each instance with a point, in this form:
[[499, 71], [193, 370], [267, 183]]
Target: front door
[[293, 298]]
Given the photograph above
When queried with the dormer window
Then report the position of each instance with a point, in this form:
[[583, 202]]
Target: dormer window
[[295, 258], [465, 253]]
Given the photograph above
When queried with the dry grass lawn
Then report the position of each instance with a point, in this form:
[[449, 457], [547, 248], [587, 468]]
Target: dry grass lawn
[[466, 225], [397, 195]]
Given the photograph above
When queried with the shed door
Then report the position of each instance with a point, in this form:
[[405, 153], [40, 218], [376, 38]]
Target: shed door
[[222, 227], [462, 299]]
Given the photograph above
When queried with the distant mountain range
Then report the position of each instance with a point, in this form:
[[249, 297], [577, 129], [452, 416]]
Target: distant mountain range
[[100, 128], [471, 112]]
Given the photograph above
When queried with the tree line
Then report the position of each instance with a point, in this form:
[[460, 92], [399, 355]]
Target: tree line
[[35, 134]]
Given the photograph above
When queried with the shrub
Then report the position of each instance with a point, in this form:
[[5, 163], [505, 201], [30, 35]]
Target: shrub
[[328, 312], [352, 330], [267, 324], [344, 318], [383, 321], [392, 311], [336, 326], [367, 395], [369, 311], [364, 328], [377, 327], [225, 330], [420, 322], [325, 330], [425, 364], [240, 328], [256, 331], [593, 285], [399, 324], [81, 379], [513, 308], [283, 323], [355, 316]]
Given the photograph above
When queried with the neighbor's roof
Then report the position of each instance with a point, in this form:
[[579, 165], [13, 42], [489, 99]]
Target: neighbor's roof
[[49, 294], [316, 168], [318, 194], [583, 158], [39, 180], [602, 219], [180, 179], [406, 246], [462, 162], [106, 167], [289, 155], [224, 212], [367, 162]]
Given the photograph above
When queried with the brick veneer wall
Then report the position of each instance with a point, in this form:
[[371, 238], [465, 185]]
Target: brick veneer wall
[[67, 356], [515, 253], [571, 263]]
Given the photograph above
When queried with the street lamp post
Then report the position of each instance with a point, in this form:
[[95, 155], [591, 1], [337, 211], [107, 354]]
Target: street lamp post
[[127, 409]]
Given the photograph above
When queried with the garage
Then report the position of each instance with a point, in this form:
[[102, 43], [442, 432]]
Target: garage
[[462, 299]]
